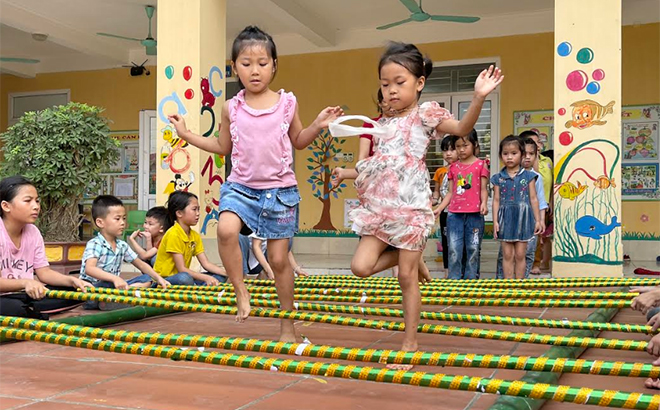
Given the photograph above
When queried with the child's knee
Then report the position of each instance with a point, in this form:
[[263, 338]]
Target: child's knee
[[226, 234], [278, 263], [361, 269]]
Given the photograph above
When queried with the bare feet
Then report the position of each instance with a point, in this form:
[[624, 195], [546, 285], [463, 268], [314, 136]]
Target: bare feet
[[652, 383], [536, 270], [423, 273], [287, 331], [242, 304], [407, 347]]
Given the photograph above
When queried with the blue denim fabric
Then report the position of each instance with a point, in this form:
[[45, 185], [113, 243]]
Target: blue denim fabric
[[515, 215], [269, 213], [92, 304], [466, 231], [181, 278], [652, 313], [529, 259]]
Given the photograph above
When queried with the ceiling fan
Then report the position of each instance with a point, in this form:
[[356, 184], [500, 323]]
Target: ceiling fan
[[19, 60], [149, 43], [419, 15]]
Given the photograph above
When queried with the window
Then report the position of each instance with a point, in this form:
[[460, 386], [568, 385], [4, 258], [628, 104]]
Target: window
[[20, 103], [452, 87]]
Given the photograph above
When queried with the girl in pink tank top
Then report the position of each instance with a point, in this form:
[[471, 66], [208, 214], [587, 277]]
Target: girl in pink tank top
[[259, 128]]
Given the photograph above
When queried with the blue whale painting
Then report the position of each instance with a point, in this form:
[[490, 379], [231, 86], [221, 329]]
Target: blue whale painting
[[591, 227]]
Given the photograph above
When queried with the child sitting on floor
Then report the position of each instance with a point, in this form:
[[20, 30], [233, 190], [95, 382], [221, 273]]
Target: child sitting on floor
[[104, 254], [156, 223], [180, 243]]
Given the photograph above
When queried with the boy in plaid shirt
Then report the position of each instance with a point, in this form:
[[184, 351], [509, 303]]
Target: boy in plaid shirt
[[104, 254]]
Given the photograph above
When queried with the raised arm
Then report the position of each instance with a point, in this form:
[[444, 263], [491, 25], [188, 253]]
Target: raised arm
[[220, 145], [486, 82]]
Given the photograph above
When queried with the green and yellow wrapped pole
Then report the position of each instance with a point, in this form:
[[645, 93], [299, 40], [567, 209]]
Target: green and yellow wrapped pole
[[536, 303], [533, 338], [568, 394], [463, 284], [538, 364], [271, 292], [211, 298]]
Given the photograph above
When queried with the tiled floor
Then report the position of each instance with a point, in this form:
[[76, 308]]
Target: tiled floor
[[36, 376]]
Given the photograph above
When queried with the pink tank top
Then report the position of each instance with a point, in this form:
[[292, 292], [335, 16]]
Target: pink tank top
[[262, 155]]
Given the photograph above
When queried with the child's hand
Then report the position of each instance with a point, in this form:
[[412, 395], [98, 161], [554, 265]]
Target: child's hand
[[163, 283], [210, 280], [299, 271], [35, 289], [542, 227], [437, 211], [179, 124], [337, 176], [326, 116], [80, 284], [483, 209], [270, 274], [135, 234], [496, 229], [146, 235], [487, 81], [538, 228], [120, 283]]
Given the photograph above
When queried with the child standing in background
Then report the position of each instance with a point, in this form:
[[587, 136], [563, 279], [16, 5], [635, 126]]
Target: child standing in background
[[516, 215], [530, 162], [467, 201]]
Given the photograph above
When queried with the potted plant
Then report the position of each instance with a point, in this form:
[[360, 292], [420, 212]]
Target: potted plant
[[62, 150]]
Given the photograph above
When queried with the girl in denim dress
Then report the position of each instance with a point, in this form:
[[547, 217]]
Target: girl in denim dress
[[516, 215], [259, 127]]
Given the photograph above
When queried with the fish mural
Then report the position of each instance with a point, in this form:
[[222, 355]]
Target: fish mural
[[569, 191], [590, 227], [603, 182], [586, 215], [588, 112]]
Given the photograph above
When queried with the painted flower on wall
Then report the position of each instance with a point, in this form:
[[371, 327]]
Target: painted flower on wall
[[644, 218]]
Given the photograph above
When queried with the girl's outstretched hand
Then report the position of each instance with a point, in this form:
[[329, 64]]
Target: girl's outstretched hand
[[179, 124], [487, 81], [496, 228], [328, 115]]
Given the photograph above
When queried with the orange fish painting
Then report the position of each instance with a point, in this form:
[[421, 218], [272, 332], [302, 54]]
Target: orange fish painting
[[588, 112], [604, 182]]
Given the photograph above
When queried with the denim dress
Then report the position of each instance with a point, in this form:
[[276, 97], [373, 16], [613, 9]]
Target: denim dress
[[515, 216]]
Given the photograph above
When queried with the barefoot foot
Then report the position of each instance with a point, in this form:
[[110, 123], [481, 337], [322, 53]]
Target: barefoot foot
[[243, 306], [423, 274], [407, 347]]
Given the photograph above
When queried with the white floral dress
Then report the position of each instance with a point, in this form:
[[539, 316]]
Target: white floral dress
[[393, 184]]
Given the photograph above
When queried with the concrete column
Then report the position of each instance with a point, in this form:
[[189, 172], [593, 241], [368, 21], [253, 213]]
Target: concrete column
[[587, 139], [191, 82]]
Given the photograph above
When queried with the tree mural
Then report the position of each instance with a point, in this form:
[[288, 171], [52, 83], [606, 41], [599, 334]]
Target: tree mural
[[324, 149]]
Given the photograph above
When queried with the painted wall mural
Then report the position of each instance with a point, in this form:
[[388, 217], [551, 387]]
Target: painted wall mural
[[587, 189], [175, 155], [324, 149], [586, 212]]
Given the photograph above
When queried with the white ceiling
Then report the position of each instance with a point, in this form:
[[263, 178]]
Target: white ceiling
[[298, 26]]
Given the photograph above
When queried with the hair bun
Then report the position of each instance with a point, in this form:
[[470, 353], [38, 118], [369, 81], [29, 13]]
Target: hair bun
[[428, 66]]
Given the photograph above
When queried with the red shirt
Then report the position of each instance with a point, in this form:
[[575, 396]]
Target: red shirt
[[369, 136]]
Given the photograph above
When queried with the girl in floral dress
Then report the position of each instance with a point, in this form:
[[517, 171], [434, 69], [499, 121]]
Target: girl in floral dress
[[393, 184]]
